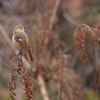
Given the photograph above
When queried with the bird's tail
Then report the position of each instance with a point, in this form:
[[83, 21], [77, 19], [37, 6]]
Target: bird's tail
[[29, 56]]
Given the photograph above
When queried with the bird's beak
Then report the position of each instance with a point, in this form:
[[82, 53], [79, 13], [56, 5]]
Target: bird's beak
[[24, 26]]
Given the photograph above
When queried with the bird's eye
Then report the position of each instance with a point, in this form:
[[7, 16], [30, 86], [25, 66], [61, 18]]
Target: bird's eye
[[20, 27]]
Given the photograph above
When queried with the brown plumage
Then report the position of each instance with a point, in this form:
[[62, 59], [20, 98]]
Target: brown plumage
[[21, 40]]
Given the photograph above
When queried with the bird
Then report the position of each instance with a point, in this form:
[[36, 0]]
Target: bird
[[21, 40]]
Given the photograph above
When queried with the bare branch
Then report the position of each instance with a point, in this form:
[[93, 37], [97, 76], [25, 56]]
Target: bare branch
[[42, 87], [7, 38], [54, 14], [68, 18]]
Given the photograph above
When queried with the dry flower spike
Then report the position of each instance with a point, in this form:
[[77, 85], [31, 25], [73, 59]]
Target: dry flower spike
[[81, 35], [20, 70]]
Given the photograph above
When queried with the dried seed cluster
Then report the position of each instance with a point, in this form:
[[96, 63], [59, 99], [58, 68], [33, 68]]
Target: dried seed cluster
[[12, 83], [19, 69], [70, 86], [81, 35]]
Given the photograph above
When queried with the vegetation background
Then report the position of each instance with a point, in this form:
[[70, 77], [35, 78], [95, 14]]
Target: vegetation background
[[57, 72]]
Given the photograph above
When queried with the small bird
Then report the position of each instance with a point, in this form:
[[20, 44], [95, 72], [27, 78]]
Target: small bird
[[21, 40]]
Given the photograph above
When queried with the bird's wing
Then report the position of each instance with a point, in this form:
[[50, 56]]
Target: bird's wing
[[20, 38]]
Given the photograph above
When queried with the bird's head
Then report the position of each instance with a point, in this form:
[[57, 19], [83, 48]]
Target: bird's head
[[19, 28]]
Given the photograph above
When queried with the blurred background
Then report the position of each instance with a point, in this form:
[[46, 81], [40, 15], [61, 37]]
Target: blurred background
[[50, 27]]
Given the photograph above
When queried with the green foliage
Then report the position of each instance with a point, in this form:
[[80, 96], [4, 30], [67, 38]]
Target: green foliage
[[92, 95]]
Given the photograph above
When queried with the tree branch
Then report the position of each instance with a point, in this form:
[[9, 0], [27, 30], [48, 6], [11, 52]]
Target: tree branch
[[43, 90], [53, 14]]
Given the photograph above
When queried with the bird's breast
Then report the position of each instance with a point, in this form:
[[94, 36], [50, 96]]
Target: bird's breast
[[16, 44]]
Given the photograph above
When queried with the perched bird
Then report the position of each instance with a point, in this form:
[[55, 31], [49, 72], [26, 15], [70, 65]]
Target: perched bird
[[21, 40]]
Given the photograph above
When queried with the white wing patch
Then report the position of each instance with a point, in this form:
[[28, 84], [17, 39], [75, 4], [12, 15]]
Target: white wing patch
[[20, 39]]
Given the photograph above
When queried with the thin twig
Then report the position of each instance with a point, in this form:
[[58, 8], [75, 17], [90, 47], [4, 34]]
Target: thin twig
[[39, 76], [6, 59], [43, 90], [54, 14], [68, 18], [7, 37]]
